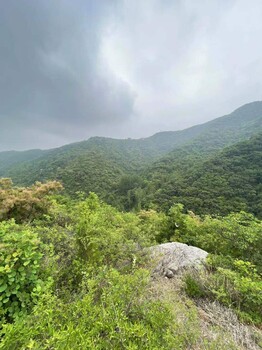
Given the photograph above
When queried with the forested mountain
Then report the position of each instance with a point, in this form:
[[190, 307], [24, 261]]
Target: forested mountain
[[219, 133], [120, 171], [231, 180], [10, 158]]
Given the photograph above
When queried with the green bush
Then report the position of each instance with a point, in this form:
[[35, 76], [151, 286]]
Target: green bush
[[20, 258], [242, 292], [114, 313], [106, 236], [238, 286], [237, 235], [193, 288]]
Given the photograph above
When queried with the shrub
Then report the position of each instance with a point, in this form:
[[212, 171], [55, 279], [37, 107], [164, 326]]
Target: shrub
[[25, 204], [238, 287], [237, 235], [113, 314], [105, 236], [19, 270]]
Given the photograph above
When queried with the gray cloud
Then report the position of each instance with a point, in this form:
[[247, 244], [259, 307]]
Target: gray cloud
[[51, 84], [74, 69]]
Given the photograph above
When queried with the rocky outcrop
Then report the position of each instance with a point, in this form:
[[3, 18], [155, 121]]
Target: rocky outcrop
[[173, 258]]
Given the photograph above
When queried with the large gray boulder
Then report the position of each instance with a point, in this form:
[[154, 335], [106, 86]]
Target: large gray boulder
[[173, 258]]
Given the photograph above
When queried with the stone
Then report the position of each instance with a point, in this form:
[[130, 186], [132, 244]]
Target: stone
[[174, 258]]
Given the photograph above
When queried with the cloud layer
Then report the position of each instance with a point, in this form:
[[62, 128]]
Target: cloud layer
[[75, 69]]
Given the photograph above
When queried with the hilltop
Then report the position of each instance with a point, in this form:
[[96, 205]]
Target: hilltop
[[29, 166]]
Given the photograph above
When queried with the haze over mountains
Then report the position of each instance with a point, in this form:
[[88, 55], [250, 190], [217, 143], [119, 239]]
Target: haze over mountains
[[164, 163]]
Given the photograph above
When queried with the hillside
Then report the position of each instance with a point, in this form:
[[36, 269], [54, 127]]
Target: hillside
[[226, 182], [99, 164], [10, 158], [79, 274], [84, 277]]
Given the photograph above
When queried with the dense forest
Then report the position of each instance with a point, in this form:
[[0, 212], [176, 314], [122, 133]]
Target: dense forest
[[77, 224], [228, 181], [152, 172]]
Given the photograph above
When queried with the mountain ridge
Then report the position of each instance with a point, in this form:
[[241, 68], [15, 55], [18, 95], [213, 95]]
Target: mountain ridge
[[227, 181], [242, 109], [99, 163]]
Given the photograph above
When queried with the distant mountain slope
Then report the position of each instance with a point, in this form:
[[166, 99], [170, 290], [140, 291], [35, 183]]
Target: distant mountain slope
[[99, 163], [238, 126], [218, 133], [10, 158], [229, 181]]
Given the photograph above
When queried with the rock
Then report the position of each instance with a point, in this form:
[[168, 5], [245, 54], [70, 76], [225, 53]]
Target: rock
[[173, 258]]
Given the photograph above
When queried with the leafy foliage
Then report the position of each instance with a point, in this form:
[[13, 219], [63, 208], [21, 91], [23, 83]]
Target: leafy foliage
[[101, 228], [233, 275], [238, 286], [113, 315], [25, 204], [20, 258], [237, 235], [226, 182]]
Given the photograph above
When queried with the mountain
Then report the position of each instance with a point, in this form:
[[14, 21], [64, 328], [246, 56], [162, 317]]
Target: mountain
[[99, 164], [229, 181], [10, 158]]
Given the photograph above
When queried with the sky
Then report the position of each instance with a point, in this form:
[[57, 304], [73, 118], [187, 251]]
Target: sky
[[70, 70]]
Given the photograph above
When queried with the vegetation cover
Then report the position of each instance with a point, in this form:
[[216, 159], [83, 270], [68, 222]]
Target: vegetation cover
[[228, 181], [75, 273], [213, 168], [75, 268]]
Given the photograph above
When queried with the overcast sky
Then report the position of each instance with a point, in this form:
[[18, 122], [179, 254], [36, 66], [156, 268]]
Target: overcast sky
[[123, 68]]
